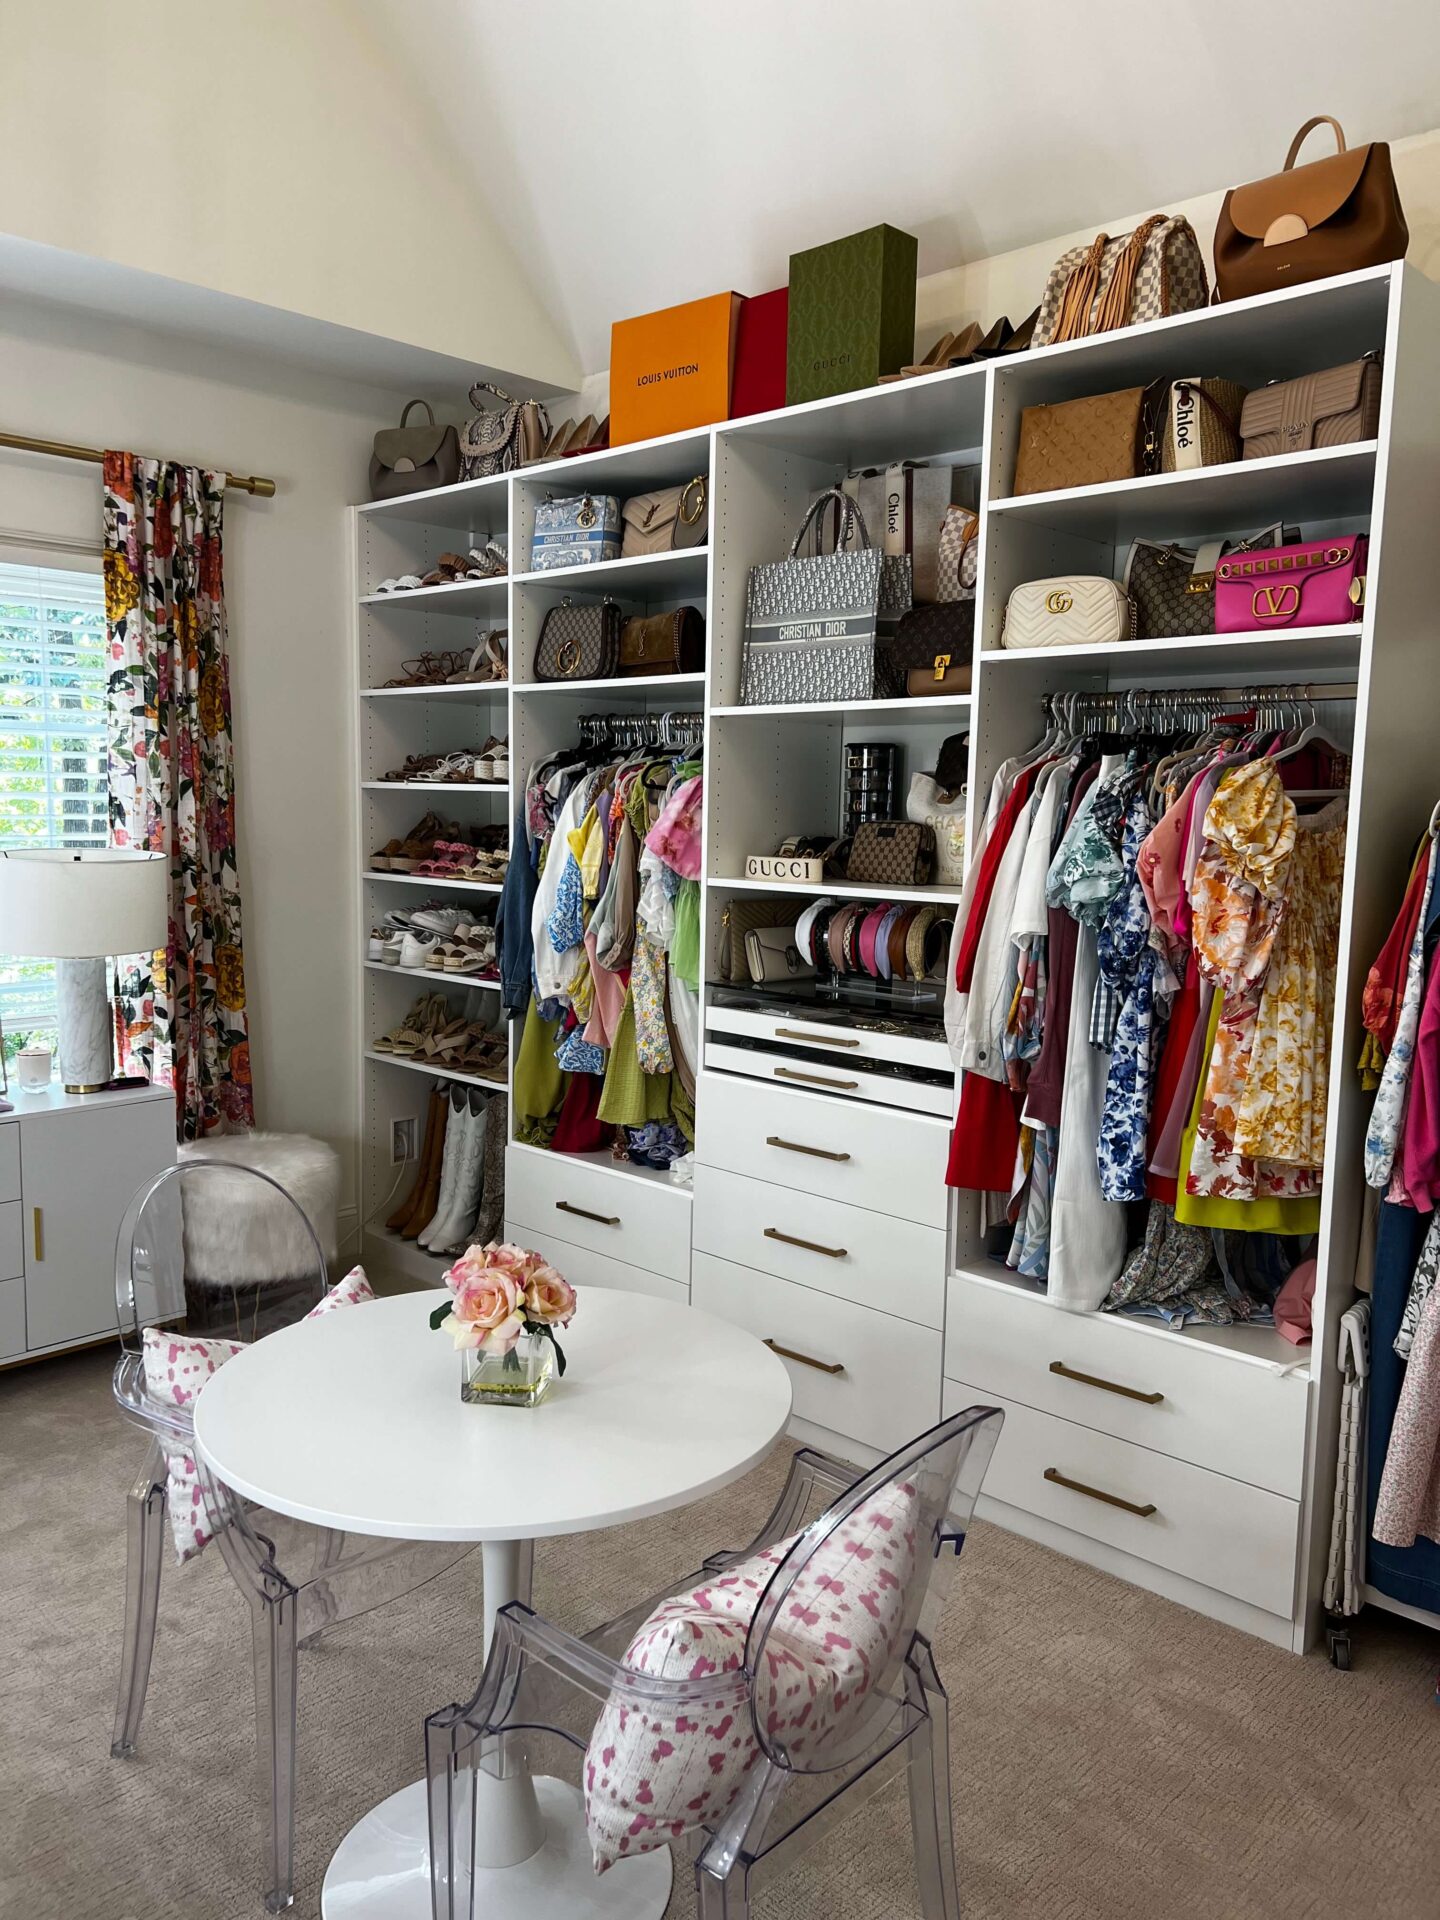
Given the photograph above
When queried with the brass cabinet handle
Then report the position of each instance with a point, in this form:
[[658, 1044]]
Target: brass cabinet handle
[[814, 1039], [794, 1146], [814, 1079], [1094, 1493], [1109, 1386], [805, 1359], [810, 1246], [39, 1220], [584, 1213]]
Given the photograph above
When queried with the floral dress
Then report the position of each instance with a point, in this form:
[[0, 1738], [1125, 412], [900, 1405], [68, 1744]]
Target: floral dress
[[1128, 964]]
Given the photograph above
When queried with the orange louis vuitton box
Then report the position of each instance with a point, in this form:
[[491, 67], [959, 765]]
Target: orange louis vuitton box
[[671, 370]]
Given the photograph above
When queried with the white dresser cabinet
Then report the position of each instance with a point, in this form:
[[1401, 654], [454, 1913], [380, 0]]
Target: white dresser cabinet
[[69, 1164]]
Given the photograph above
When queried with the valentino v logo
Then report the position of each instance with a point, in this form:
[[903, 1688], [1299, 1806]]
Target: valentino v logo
[[1275, 603]]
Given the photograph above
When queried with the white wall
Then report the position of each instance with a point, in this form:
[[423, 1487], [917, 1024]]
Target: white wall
[[287, 592], [267, 149]]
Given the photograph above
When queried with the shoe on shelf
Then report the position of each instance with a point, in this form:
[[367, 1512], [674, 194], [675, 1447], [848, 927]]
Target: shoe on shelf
[[449, 860], [429, 1013], [374, 946], [391, 948], [402, 583], [430, 1152], [416, 949], [453, 1230], [488, 759], [440, 1188], [435, 918]]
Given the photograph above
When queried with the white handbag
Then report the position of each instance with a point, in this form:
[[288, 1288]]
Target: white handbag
[[931, 806], [1073, 610]]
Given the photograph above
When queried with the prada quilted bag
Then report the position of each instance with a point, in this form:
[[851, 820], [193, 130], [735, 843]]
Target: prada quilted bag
[[1328, 409], [818, 627]]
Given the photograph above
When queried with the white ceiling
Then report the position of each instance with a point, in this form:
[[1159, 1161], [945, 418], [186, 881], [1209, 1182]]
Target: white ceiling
[[641, 152]]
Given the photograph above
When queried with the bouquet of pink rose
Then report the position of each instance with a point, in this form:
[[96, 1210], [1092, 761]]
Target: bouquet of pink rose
[[499, 1292]]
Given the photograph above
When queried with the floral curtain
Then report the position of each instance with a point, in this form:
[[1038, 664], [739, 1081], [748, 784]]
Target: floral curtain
[[181, 1012]]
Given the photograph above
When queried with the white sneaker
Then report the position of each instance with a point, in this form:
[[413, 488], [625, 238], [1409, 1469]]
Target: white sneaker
[[391, 947], [442, 920], [375, 943], [416, 948]]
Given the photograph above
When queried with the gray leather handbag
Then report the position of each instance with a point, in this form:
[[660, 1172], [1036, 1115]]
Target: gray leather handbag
[[499, 439], [408, 459], [818, 626]]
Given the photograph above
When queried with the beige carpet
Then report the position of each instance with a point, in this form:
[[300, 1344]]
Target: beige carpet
[[1115, 1756]]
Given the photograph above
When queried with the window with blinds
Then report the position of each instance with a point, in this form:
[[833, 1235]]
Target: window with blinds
[[53, 788]]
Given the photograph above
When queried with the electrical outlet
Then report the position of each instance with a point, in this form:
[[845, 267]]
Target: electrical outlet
[[404, 1140]]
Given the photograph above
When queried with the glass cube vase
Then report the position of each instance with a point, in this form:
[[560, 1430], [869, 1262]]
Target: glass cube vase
[[520, 1378]]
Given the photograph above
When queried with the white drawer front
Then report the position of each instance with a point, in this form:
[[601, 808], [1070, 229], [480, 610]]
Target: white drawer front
[[831, 1037], [892, 1162], [1238, 1539], [849, 1080], [583, 1267], [850, 1252], [9, 1160], [887, 1388], [12, 1318], [12, 1240], [1215, 1411], [639, 1222]]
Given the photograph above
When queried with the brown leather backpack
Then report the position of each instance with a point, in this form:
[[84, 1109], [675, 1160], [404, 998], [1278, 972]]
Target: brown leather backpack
[[1305, 223]]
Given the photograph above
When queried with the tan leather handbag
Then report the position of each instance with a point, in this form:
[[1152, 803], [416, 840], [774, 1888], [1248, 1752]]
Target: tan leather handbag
[[1305, 223], [667, 521], [1327, 409], [1080, 443]]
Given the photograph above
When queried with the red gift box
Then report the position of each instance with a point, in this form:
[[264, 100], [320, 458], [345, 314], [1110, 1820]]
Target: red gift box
[[759, 382]]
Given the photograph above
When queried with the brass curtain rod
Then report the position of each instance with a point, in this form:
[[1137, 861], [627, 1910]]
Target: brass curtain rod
[[253, 483]]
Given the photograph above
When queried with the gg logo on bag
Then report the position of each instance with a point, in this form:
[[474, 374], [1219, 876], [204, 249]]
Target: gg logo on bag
[[1275, 603], [1059, 602]]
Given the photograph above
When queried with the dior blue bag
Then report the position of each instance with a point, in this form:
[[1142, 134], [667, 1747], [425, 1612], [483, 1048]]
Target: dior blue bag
[[576, 532]]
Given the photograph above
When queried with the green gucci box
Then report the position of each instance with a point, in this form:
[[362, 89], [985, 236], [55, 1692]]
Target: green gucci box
[[852, 313]]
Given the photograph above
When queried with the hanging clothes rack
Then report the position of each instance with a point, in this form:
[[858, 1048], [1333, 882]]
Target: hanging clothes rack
[[631, 732], [1136, 704]]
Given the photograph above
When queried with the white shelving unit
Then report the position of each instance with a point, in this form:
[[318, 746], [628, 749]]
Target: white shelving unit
[[816, 1178]]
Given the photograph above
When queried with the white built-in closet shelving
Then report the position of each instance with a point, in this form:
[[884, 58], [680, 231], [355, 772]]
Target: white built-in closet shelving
[[1224, 1436]]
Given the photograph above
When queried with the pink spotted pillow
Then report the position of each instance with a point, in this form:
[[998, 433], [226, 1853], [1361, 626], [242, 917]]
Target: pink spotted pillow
[[176, 1366], [651, 1779]]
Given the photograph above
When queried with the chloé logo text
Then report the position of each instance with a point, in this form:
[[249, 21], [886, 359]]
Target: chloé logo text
[[666, 373]]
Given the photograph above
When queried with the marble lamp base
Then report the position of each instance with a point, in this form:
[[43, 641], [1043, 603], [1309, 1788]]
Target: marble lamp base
[[86, 1025]]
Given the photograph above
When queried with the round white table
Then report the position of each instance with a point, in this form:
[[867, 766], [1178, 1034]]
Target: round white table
[[354, 1421]]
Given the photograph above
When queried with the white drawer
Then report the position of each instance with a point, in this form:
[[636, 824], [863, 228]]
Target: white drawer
[[892, 1162], [849, 1252], [1238, 1539], [831, 1037], [852, 1081], [12, 1241], [887, 1385], [583, 1267], [12, 1318], [640, 1222], [9, 1160], [1216, 1410]]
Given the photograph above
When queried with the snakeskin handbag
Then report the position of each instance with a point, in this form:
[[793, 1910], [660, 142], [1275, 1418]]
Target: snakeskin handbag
[[819, 627], [579, 642], [1172, 588]]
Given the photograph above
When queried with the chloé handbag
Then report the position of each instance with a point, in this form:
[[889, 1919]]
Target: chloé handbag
[[1080, 443], [1320, 583], [663, 642], [579, 642], [408, 459], [818, 627], [1173, 587], [1156, 270], [1076, 610], [499, 439], [577, 532], [892, 853], [934, 647], [1191, 423], [1305, 223], [665, 522], [1320, 410]]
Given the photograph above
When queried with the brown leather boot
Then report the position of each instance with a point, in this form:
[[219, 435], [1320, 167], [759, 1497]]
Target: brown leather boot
[[434, 1124], [428, 1198]]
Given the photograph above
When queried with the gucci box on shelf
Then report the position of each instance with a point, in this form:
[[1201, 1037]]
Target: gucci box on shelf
[[760, 340], [852, 312], [671, 370]]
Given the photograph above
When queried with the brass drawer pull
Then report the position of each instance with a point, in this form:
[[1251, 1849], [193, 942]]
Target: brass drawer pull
[[39, 1232], [584, 1213], [815, 1079], [814, 1039], [1094, 1493], [810, 1246], [1109, 1386], [805, 1359], [794, 1146]]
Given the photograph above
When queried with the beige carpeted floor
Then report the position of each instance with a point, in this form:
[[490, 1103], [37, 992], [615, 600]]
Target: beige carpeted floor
[[1115, 1756]]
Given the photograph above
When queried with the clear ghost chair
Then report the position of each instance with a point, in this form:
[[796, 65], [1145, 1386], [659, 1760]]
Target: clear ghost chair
[[543, 1689], [297, 1579]]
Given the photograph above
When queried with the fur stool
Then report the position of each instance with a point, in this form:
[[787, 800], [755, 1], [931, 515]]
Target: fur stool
[[240, 1234]]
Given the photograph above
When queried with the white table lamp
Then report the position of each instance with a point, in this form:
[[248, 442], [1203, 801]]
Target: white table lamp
[[75, 909]]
